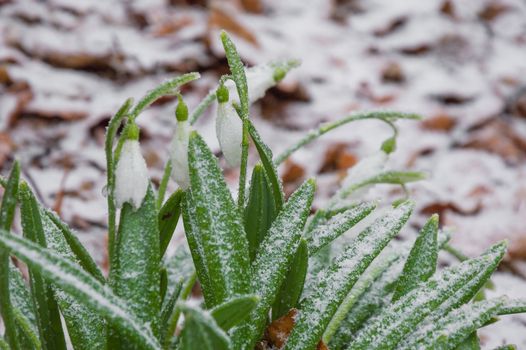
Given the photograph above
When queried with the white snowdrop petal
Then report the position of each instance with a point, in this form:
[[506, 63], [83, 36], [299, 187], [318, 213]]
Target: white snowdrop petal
[[229, 130], [260, 78], [131, 175], [179, 155]]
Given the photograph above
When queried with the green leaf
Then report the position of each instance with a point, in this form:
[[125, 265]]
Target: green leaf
[[379, 265], [7, 213], [450, 331], [181, 279], [472, 342], [238, 72], [219, 224], [292, 286], [260, 211], [325, 233], [200, 331], [400, 318], [164, 183], [232, 312], [422, 261], [265, 154], [24, 313], [168, 218], [513, 306], [81, 285], [48, 316], [195, 242], [81, 254], [135, 277], [275, 253], [336, 280], [507, 347]]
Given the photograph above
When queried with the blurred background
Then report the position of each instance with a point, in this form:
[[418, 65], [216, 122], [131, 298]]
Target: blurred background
[[66, 66]]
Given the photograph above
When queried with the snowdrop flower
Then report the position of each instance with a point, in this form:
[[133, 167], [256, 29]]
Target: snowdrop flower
[[179, 147], [131, 173], [229, 128], [260, 78]]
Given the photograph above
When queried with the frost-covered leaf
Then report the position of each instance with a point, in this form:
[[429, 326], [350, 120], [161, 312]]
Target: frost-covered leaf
[[200, 331], [265, 154], [400, 318], [219, 225], [81, 254], [513, 306], [292, 287], [7, 213], [422, 261], [387, 177], [81, 285], [24, 313], [336, 226], [260, 210], [272, 260], [232, 312], [336, 280], [472, 342], [168, 219], [450, 331], [135, 275], [46, 308]]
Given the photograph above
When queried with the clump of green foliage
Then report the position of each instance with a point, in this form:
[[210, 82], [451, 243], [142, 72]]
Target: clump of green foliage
[[255, 259]]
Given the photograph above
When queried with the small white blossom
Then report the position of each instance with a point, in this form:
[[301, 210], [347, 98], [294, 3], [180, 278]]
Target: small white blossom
[[179, 154], [229, 131], [260, 78], [131, 175]]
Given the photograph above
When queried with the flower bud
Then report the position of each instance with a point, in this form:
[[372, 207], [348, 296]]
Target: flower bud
[[229, 131], [179, 154], [131, 173]]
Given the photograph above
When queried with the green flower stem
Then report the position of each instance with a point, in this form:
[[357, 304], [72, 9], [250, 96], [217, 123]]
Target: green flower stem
[[111, 132], [167, 88], [387, 117], [164, 183]]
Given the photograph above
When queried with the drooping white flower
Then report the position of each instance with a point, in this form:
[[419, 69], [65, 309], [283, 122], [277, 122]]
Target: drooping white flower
[[260, 78], [179, 154], [229, 131], [131, 175]]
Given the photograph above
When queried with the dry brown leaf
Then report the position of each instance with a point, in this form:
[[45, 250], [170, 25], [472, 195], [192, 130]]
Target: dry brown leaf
[[448, 9], [293, 172], [338, 157], [493, 10], [393, 73], [252, 6], [439, 122], [220, 19], [279, 330]]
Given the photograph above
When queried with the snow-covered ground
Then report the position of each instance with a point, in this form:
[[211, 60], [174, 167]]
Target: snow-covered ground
[[66, 66]]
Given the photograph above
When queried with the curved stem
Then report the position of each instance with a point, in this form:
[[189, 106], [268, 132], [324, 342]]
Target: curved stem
[[385, 116]]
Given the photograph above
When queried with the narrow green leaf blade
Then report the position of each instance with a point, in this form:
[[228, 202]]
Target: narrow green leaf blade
[[47, 312], [136, 275], [336, 226], [80, 252], [336, 281], [260, 211], [168, 218], [450, 331], [472, 342], [7, 213], [201, 331], [232, 312], [81, 285], [219, 223], [400, 318], [292, 287], [272, 260], [422, 261]]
